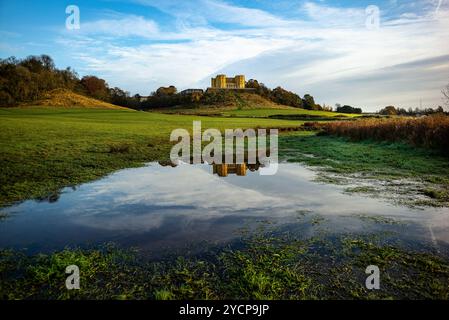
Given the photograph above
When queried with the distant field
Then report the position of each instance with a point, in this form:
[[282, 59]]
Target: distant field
[[261, 112], [264, 113], [249, 105], [44, 149]]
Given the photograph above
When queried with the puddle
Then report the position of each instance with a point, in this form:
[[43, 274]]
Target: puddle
[[160, 208]]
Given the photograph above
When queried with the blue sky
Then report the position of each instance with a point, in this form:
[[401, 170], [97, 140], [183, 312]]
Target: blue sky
[[325, 48]]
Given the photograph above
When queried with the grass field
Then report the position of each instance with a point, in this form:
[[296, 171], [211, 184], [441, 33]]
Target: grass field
[[44, 149], [265, 113]]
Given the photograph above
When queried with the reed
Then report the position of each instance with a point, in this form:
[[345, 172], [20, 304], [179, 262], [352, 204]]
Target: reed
[[428, 131]]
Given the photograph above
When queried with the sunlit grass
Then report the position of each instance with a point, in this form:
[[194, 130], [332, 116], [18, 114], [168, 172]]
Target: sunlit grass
[[264, 113]]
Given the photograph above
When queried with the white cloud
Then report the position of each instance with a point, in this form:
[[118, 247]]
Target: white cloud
[[204, 11], [317, 54], [123, 27], [332, 16]]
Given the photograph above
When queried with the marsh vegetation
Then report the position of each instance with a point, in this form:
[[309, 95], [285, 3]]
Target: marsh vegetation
[[267, 266]]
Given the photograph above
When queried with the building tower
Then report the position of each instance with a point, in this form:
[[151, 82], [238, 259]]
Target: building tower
[[222, 82], [219, 81], [240, 82]]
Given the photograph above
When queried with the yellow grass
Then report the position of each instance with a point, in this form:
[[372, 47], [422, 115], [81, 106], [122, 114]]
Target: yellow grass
[[64, 98]]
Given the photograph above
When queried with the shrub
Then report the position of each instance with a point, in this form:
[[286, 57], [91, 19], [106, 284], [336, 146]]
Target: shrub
[[313, 126], [428, 131], [348, 109]]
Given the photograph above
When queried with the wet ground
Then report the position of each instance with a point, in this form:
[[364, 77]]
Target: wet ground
[[162, 209]]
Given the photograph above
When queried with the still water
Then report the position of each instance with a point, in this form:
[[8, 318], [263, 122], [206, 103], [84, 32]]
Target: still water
[[161, 208]]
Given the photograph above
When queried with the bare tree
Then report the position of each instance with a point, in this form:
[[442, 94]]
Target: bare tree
[[445, 92]]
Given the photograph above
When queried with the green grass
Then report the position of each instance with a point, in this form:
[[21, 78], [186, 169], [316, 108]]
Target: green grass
[[282, 112], [267, 267], [265, 113], [45, 149], [414, 176]]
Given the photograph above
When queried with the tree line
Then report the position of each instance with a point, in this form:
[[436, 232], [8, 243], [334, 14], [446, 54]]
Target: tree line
[[165, 97], [28, 79], [285, 97], [393, 111], [347, 109]]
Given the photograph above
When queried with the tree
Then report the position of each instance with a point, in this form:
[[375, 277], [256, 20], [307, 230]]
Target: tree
[[70, 79], [17, 83], [27, 80], [326, 108], [252, 83], [389, 111], [308, 102], [285, 97], [348, 109], [37, 64], [47, 62], [166, 91], [445, 92], [95, 87]]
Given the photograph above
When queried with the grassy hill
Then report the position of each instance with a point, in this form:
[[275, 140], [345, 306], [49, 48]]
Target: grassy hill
[[250, 105], [64, 98], [224, 101]]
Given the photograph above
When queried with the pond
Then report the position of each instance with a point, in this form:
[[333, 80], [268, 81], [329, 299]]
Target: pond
[[160, 209]]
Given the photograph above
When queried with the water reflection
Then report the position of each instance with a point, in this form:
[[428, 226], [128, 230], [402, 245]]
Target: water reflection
[[224, 169], [157, 208]]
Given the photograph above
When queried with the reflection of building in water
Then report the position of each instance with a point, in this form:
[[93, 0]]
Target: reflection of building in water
[[167, 163], [222, 170]]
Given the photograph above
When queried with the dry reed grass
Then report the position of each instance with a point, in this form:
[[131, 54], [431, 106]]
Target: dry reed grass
[[428, 131]]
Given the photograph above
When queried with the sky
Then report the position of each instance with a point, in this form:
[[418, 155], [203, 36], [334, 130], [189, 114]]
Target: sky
[[367, 54]]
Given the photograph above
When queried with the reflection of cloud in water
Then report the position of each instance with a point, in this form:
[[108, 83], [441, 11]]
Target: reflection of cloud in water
[[145, 197], [156, 206], [140, 199], [181, 186]]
